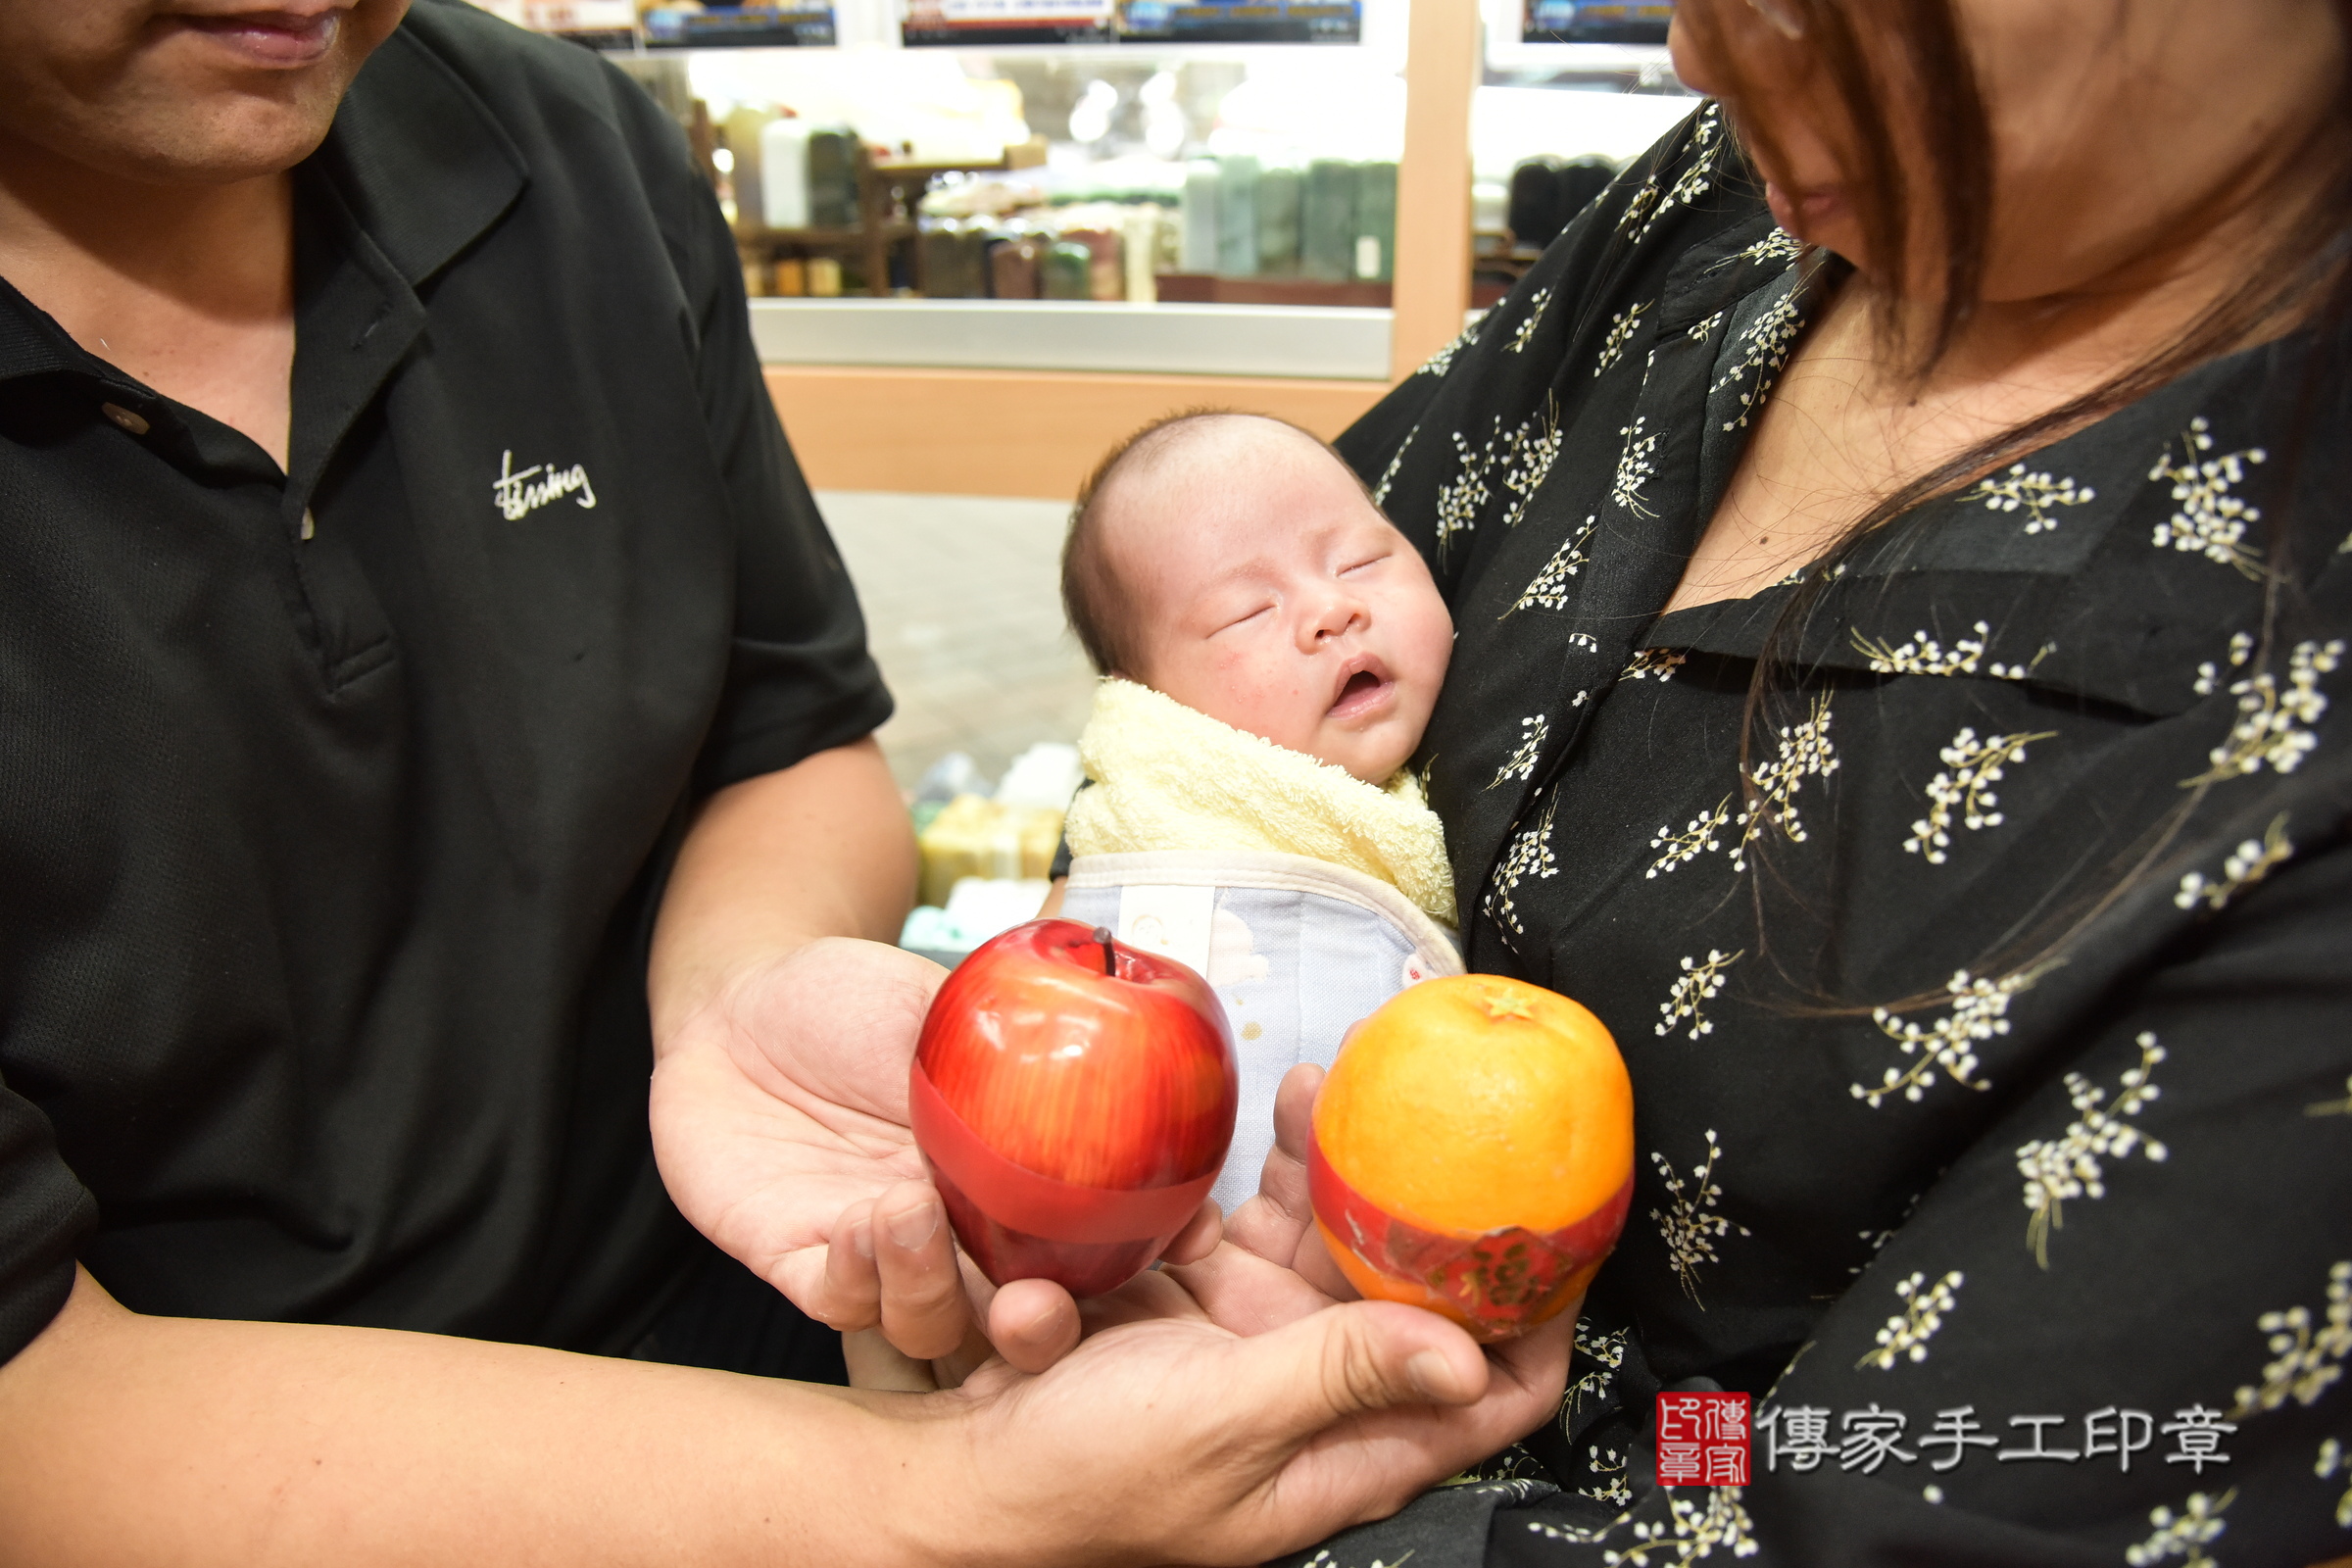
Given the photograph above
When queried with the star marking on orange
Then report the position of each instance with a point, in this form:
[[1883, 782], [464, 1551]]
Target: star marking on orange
[[1504, 1007]]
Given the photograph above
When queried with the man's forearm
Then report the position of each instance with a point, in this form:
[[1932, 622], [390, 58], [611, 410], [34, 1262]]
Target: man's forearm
[[128, 1439], [821, 849]]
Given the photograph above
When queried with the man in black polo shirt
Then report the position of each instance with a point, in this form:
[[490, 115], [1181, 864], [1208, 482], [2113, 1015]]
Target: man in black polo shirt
[[416, 646]]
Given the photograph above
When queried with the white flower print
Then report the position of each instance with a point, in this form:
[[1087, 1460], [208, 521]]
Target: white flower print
[[1763, 354], [2332, 1108], [2056, 1170], [2331, 1460], [2025, 671], [1693, 1527], [1526, 329], [1621, 332], [2035, 493], [1650, 204], [1700, 983], [2212, 520], [2273, 728], [1922, 655], [1522, 763], [1778, 246], [1906, 1334], [2209, 678], [1804, 753], [1527, 459], [2247, 865], [1460, 498], [1635, 467], [1647, 661], [1602, 1354], [1437, 362], [1530, 856], [1549, 590], [2184, 1535], [1876, 1240], [1387, 476], [1688, 1224], [1703, 328], [1608, 1466], [2308, 1361], [1524, 456], [1975, 766], [1697, 838], [1978, 1009]]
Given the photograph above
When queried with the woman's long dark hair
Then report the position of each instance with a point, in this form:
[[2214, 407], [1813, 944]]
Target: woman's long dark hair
[[1878, 54]]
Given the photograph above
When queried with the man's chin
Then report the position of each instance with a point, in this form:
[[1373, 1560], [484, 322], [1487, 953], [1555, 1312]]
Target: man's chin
[[250, 139]]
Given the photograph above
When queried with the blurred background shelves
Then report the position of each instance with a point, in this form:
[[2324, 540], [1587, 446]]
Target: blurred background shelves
[[985, 239]]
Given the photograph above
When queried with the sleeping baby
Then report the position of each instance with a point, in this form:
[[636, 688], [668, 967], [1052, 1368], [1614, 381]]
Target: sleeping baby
[[1271, 647]]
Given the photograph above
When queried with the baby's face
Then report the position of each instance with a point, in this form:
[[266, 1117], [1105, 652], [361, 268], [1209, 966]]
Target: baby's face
[[1275, 598]]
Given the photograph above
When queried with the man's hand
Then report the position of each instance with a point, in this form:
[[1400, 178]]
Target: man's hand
[[1278, 1224], [780, 1116], [1343, 1413]]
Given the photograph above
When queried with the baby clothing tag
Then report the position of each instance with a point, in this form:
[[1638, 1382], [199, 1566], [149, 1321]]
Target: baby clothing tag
[[1174, 922]]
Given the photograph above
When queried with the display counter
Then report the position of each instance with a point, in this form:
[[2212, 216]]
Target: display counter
[[1226, 340], [986, 239]]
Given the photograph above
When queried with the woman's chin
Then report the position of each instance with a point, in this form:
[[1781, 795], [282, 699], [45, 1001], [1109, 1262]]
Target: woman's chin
[[1818, 217]]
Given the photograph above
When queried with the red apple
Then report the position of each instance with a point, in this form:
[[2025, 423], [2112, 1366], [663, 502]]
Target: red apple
[[1074, 1100]]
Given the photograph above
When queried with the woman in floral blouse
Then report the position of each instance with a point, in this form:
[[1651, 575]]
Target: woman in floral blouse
[[1899, 689]]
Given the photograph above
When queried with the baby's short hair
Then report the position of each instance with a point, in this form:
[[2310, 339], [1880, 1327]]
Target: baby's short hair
[[1098, 606]]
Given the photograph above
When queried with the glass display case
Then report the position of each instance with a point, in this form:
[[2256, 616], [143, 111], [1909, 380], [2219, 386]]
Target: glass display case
[[1026, 225]]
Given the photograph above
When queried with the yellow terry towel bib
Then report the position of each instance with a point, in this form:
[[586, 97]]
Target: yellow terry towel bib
[[1305, 897]]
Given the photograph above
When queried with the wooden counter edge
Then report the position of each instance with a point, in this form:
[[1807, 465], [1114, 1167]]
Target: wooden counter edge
[[1010, 432]]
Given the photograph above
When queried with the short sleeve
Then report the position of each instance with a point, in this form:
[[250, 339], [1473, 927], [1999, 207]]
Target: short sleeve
[[44, 1214], [799, 679]]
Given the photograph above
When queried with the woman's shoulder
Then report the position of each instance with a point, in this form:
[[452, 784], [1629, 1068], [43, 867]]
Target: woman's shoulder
[[1684, 221]]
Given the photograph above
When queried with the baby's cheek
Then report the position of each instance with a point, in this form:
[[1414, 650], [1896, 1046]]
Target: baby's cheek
[[1263, 697]]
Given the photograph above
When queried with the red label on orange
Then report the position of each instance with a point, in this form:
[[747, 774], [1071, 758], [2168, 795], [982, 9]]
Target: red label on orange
[[1505, 1278]]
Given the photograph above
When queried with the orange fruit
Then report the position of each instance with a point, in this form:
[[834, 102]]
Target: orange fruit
[[1473, 1152]]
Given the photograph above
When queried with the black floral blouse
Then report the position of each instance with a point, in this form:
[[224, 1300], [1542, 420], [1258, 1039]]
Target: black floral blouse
[[1993, 1043]]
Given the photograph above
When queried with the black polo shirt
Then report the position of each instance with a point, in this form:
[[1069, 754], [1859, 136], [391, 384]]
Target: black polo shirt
[[334, 801]]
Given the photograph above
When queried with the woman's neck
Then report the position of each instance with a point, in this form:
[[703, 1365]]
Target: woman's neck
[[188, 288]]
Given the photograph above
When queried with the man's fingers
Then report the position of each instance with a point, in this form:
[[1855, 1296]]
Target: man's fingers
[[1295, 1113], [1540, 1358], [853, 1289], [1033, 1323], [1271, 1223], [1243, 1293], [1359, 1357], [1200, 1236], [922, 1303], [1312, 1262], [874, 1362]]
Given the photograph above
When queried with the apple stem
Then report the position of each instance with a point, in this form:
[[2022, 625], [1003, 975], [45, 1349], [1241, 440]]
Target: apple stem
[[1110, 954]]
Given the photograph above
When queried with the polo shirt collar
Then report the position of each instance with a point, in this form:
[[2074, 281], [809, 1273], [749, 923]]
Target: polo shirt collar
[[422, 165]]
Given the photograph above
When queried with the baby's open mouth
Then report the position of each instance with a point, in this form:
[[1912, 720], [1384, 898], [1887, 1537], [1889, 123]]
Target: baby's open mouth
[[1362, 691]]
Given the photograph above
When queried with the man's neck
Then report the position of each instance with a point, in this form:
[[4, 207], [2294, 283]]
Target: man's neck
[[189, 288]]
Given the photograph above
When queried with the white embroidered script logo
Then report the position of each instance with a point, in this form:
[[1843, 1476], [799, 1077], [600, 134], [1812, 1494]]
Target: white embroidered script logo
[[518, 495]]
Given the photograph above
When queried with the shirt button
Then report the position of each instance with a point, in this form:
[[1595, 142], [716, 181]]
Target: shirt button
[[123, 417]]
